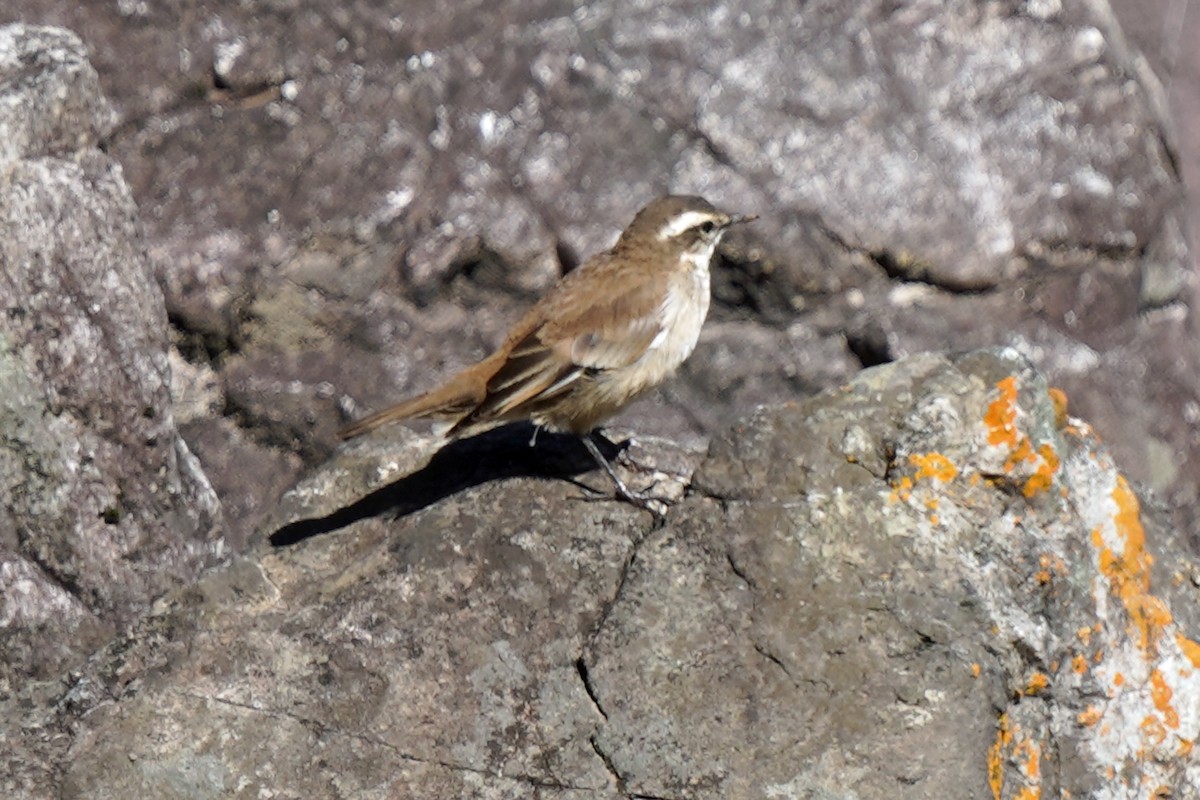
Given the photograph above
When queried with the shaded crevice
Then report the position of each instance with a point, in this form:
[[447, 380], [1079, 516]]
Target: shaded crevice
[[774, 659], [273, 434], [902, 269], [618, 779], [581, 666], [739, 571], [69, 585], [582, 669], [659, 521], [870, 346], [906, 270], [795, 681], [890, 465], [1049, 251], [609, 766], [199, 343]]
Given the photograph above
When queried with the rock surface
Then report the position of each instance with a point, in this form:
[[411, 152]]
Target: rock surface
[[102, 506], [346, 203], [924, 580], [928, 583]]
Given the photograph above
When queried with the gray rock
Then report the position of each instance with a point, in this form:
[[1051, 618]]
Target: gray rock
[[349, 218], [104, 507], [927, 579], [928, 583]]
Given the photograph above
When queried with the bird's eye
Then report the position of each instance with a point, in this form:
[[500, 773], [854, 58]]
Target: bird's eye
[[707, 227]]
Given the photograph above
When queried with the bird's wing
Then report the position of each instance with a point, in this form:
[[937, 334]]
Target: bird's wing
[[578, 332]]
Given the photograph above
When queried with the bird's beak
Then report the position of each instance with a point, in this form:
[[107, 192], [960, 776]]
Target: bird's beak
[[738, 219]]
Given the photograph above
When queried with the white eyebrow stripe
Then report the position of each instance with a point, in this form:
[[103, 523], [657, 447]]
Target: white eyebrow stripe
[[686, 220]]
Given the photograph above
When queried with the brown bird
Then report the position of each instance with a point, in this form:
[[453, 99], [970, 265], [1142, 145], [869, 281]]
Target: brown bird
[[612, 329]]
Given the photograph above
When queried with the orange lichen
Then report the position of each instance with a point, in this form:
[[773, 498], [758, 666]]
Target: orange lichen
[[1028, 756], [1051, 565], [1119, 679], [1058, 399], [1079, 664], [1190, 649], [933, 465], [902, 490], [976, 670], [1153, 730], [1025, 752], [1023, 452], [1161, 694], [995, 762], [1000, 420], [1090, 716], [1036, 683], [1001, 416], [1084, 634], [1129, 572], [1185, 747], [1032, 755], [1041, 479]]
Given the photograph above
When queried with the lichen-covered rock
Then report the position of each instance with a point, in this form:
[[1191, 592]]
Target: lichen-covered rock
[[929, 583], [927, 580], [345, 203], [102, 506]]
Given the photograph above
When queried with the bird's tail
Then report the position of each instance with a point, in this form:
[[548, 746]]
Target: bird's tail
[[447, 402]]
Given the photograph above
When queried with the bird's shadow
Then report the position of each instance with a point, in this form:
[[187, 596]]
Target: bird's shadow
[[504, 452]]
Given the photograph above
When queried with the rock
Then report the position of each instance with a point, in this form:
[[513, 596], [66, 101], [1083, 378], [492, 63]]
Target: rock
[[104, 507], [347, 220], [928, 578]]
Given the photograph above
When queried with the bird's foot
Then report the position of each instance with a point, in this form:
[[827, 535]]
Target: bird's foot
[[655, 504]]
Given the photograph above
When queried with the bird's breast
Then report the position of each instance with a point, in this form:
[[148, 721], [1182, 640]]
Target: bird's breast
[[604, 392], [681, 315]]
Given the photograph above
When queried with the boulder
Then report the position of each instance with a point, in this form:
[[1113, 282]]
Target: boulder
[[103, 507], [931, 582]]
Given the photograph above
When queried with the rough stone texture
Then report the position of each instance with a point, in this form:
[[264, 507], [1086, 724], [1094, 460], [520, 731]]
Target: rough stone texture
[[926, 584], [102, 506], [926, 580], [1163, 31], [345, 203]]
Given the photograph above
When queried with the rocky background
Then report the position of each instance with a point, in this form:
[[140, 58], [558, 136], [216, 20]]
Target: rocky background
[[239, 226]]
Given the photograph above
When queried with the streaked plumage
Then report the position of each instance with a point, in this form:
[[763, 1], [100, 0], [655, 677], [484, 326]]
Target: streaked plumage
[[612, 329]]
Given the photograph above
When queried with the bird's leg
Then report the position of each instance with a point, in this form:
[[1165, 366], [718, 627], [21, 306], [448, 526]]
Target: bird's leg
[[619, 450], [624, 492], [622, 450]]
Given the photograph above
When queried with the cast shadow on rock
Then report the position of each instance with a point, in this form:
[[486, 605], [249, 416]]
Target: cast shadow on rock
[[503, 452]]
